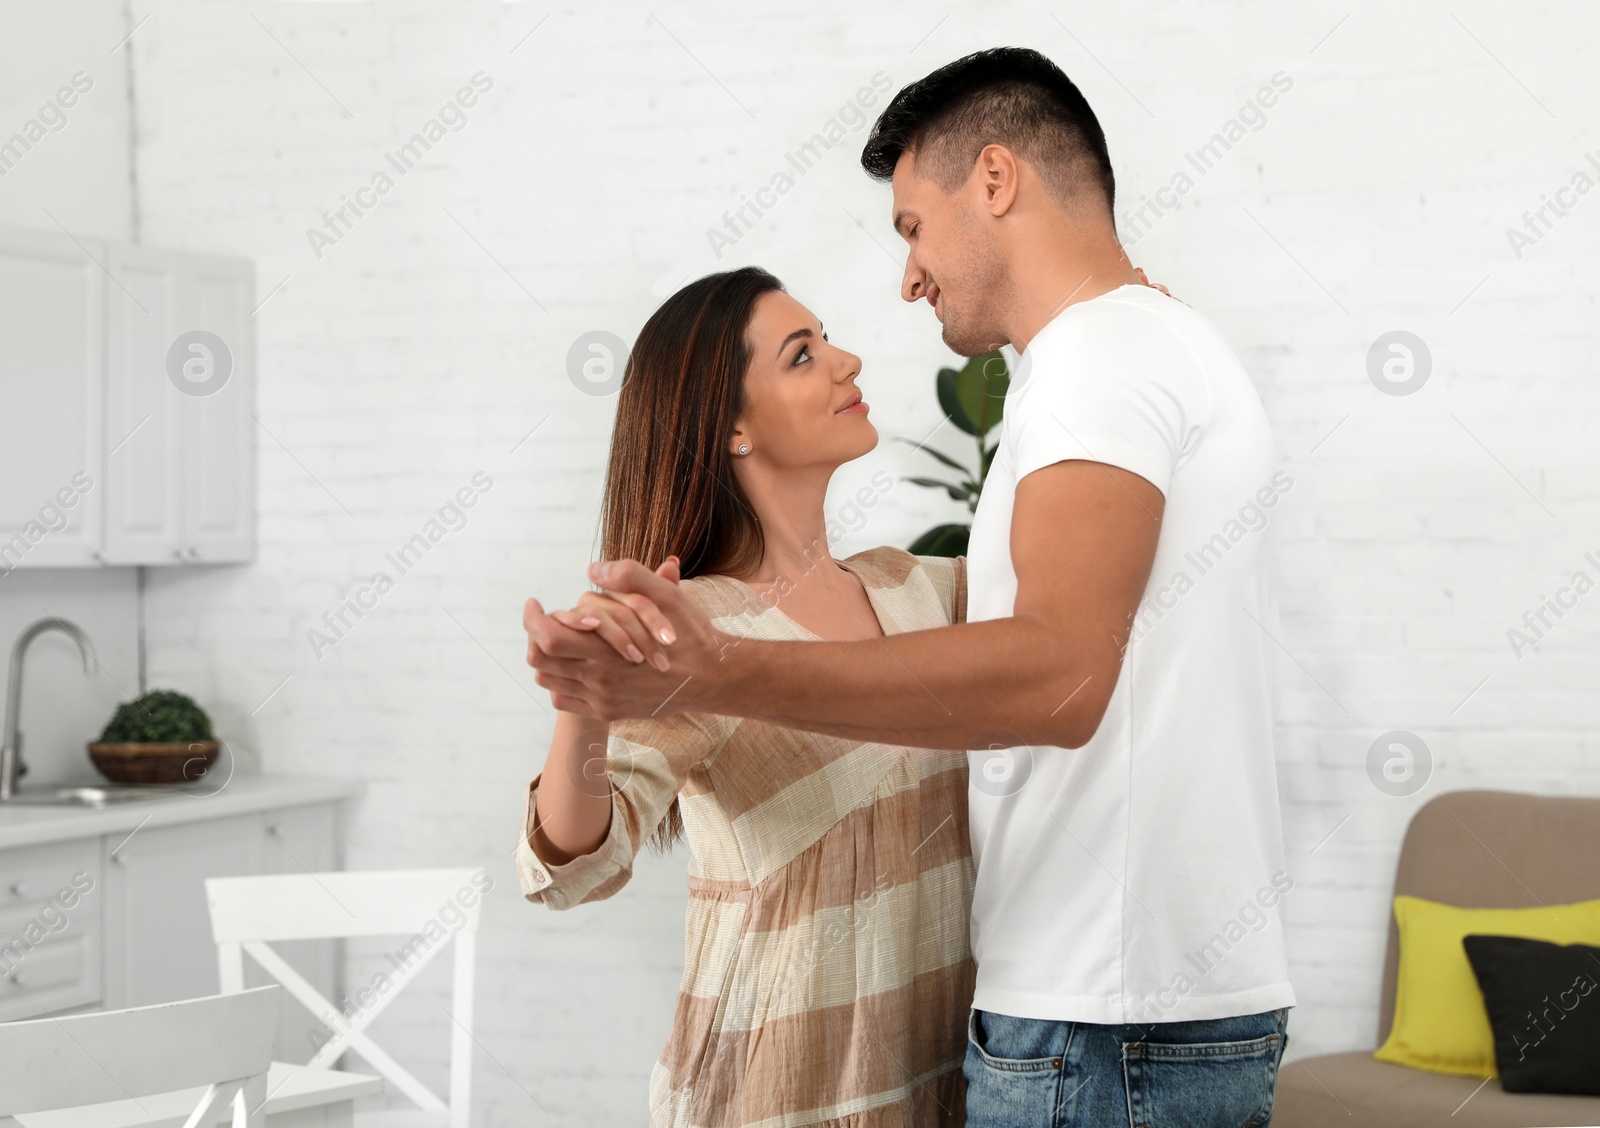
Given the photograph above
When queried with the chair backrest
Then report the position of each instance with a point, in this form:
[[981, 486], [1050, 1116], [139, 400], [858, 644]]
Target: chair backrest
[[428, 908], [223, 1042], [1494, 850]]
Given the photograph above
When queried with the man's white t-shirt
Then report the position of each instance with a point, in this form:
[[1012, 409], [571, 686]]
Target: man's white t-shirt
[[1137, 878]]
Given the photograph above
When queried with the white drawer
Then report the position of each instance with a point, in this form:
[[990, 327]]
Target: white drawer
[[54, 886], [62, 972]]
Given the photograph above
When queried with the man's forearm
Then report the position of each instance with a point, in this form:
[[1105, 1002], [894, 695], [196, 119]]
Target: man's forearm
[[976, 685]]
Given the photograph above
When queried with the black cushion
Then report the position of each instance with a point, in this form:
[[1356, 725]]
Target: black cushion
[[1543, 1001]]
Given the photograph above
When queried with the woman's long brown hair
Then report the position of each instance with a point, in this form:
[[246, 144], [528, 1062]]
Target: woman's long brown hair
[[670, 488]]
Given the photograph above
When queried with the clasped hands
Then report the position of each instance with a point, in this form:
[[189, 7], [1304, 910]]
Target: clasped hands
[[636, 648]]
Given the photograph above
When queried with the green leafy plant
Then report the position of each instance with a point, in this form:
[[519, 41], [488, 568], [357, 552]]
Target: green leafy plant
[[159, 717], [973, 397]]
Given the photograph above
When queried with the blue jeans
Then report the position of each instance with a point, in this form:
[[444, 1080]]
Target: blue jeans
[[1029, 1073]]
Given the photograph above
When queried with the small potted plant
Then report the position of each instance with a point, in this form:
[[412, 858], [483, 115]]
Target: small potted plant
[[162, 737]]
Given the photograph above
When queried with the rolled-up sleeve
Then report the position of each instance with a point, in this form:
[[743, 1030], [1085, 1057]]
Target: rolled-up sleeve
[[647, 762], [562, 886]]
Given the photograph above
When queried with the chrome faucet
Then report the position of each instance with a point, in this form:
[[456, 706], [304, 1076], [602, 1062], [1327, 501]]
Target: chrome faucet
[[11, 766]]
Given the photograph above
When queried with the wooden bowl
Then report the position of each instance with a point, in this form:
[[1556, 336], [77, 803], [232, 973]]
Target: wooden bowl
[[181, 762]]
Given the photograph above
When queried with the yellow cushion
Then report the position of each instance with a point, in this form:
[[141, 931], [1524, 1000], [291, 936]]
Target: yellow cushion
[[1439, 1019]]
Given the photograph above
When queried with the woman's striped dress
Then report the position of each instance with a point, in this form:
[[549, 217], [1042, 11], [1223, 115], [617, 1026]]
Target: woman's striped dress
[[826, 974]]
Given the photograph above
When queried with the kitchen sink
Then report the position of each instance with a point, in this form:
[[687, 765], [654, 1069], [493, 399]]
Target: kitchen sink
[[105, 795]]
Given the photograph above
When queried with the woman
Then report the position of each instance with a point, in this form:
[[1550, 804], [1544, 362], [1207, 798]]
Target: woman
[[826, 974]]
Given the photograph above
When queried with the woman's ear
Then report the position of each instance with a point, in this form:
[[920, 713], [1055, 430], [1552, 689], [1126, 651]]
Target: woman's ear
[[739, 444]]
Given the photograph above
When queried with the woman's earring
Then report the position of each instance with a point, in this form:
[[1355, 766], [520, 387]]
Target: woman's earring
[[744, 448]]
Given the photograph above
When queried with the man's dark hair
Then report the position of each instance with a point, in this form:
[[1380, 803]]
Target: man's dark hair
[[1009, 96]]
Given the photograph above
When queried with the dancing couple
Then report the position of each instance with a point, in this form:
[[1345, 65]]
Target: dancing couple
[[967, 836]]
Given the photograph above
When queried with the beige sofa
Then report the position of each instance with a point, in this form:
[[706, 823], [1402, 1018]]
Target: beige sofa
[[1480, 849]]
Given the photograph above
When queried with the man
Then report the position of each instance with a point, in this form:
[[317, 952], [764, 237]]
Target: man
[[1112, 678]]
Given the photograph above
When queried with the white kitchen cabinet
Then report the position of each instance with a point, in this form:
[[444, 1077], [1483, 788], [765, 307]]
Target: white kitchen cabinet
[[49, 928], [180, 389], [141, 934], [128, 435], [158, 929], [52, 373], [143, 429], [219, 429], [155, 906]]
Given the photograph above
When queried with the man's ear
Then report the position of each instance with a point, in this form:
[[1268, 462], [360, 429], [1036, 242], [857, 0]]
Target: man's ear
[[996, 170]]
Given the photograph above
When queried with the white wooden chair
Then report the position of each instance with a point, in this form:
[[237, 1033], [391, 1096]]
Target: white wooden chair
[[430, 908], [223, 1042]]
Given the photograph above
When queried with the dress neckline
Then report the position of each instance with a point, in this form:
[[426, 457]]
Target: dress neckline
[[808, 635]]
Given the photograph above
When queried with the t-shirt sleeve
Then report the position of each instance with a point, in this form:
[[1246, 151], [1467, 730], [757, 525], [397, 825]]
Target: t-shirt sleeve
[[1113, 385]]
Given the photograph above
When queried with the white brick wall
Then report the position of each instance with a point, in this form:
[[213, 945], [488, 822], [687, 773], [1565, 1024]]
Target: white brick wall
[[430, 341]]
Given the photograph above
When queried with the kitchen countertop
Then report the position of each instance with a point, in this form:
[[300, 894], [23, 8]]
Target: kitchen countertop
[[30, 824]]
